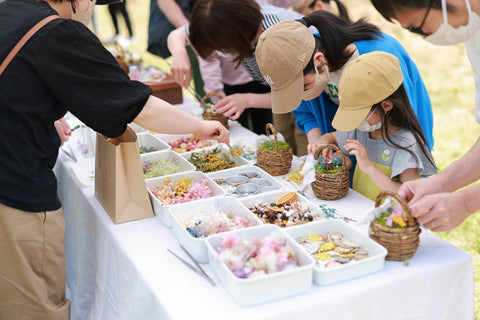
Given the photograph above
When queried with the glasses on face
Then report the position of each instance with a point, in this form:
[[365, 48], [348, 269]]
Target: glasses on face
[[418, 30]]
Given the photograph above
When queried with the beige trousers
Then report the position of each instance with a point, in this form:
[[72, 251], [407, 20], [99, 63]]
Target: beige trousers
[[32, 265], [285, 124]]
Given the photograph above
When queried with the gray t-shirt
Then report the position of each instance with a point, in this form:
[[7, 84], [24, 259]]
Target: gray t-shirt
[[383, 154]]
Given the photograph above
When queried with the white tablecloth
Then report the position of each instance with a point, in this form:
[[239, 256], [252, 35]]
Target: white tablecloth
[[125, 271]]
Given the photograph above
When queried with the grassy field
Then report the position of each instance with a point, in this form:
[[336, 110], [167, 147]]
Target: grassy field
[[447, 76]]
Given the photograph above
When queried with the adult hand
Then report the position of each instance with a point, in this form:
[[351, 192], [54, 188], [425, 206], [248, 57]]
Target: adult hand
[[414, 190], [181, 69], [63, 130], [357, 149], [213, 130], [232, 106], [440, 211]]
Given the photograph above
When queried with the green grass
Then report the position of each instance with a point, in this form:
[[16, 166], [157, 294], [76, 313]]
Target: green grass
[[447, 76]]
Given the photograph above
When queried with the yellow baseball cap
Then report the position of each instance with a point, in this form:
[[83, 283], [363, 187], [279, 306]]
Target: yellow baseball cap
[[367, 80], [282, 52]]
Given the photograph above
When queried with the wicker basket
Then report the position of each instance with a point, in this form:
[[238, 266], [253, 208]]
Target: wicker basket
[[401, 243], [331, 186], [276, 162], [213, 116]]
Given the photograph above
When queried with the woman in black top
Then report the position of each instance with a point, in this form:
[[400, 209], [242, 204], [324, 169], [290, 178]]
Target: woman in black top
[[63, 67]]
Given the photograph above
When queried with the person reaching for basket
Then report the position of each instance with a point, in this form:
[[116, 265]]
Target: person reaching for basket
[[376, 123]]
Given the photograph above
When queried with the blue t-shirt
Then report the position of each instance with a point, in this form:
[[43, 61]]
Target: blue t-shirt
[[319, 112]]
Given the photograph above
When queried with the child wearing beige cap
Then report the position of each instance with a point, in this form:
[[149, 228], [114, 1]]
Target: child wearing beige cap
[[376, 124], [303, 69]]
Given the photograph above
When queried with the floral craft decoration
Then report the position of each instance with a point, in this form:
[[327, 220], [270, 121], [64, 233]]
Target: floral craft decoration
[[211, 161], [186, 144], [159, 168], [270, 145], [144, 149], [181, 190], [326, 165], [257, 256], [214, 220], [392, 215]]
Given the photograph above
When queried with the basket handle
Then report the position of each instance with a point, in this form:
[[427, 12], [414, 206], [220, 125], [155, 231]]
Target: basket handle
[[406, 210], [269, 128], [334, 147], [121, 52], [208, 95]]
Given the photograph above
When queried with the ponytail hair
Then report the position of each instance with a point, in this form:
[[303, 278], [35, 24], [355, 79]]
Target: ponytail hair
[[402, 116], [335, 35]]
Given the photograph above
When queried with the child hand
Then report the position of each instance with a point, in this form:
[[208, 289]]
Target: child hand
[[357, 149]]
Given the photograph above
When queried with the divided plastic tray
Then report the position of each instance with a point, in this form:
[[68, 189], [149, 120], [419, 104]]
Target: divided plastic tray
[[160, 209]]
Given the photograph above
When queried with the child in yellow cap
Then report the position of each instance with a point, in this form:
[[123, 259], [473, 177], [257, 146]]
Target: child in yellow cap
[[376, 124]]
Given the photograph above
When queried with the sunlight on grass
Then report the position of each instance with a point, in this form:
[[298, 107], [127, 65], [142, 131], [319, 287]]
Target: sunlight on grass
[[447, 76]]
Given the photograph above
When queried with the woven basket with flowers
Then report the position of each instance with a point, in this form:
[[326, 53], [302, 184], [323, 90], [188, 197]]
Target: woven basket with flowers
[[395, 228], [275, 156], [209, 111], [332, 178]]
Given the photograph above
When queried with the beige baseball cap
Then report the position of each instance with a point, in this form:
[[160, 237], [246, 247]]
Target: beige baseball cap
[[367, 80], [282, 52]]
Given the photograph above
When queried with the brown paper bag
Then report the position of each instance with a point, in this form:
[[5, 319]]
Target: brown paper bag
[[119, 183]]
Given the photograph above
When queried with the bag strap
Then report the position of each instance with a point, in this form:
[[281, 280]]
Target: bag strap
[[24, 40]]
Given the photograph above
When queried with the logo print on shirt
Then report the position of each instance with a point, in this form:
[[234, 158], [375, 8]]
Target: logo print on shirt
[[332, 91], [385, 155], [269, 80]]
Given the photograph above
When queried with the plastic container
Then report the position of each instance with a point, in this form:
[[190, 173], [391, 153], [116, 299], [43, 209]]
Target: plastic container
[[249, 171], [160, 209], [327, 276], [168, 155], [273, 196], [196, 246], [175, 137], [268, 287], [223, 150], [148, 140]]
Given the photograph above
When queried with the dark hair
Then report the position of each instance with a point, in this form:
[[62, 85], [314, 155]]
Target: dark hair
[[335, 35], [342, 10], [402, 116], [389, 8], [229, 26]]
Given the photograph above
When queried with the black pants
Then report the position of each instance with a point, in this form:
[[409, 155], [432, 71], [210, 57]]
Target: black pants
[[122, 8], [254, 119]]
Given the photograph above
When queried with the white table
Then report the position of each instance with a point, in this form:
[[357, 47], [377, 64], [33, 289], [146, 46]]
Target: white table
[[125, 271]]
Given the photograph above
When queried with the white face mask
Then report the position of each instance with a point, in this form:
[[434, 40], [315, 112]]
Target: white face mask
[[367, 127], [320, 85], [448, 35], [83, 15]]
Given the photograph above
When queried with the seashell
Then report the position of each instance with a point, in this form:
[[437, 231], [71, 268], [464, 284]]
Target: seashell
[[236, 180], [260, 181], [311, 246], [249, 174], [361, 254], [341, 259], [247, 188]]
